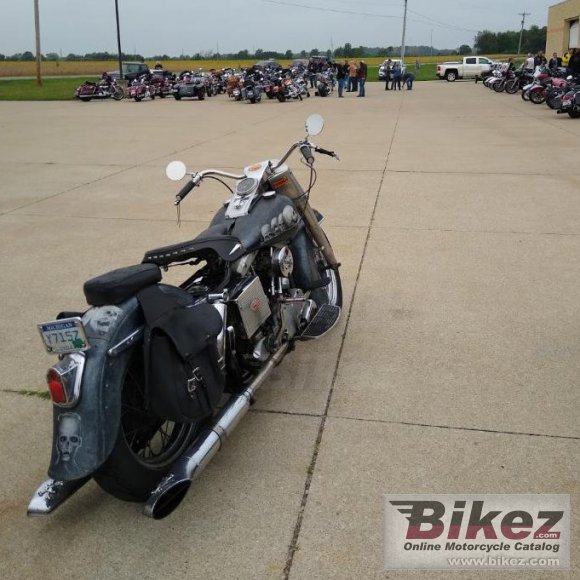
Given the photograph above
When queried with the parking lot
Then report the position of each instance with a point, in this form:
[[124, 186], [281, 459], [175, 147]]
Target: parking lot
[[455, 369]]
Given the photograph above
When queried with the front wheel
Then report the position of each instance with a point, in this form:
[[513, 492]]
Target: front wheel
[[118, 94], [538, 96], [511, 87], [331, 293], [146, 445]]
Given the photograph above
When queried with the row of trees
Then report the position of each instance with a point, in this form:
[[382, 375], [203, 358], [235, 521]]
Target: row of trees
[[346, 51], [486, 42], [533, 40]]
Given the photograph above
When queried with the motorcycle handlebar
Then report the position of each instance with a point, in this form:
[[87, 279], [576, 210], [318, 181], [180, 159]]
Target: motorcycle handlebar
[[326, 152], [184, 191]]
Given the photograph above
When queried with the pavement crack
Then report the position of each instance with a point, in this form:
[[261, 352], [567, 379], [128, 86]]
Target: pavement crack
[[455, 428], [293, 547], [27, 393], [499, 232], [416, 424]]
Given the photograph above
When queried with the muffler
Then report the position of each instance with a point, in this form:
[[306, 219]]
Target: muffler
[[175, 485]]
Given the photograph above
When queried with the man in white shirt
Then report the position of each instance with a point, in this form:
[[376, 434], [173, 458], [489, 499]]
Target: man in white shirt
[[529, 64]]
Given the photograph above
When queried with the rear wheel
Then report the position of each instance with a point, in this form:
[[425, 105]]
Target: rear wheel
[[146, 445], [574, 114], [450, 76]]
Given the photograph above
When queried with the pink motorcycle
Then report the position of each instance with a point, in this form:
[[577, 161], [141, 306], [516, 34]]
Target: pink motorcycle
[[106, 88]]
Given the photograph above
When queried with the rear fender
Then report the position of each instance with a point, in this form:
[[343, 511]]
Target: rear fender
[[84, 435]]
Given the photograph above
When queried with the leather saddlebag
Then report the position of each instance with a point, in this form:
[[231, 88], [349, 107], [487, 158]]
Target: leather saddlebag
[[184, 379]]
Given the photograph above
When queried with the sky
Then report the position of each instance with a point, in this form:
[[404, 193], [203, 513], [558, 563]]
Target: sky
[[177, 27]]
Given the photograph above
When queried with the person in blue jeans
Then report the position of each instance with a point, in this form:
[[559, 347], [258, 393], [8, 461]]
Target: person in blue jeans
[[362, 77], [341, 72], [408, 80], [396, 77]]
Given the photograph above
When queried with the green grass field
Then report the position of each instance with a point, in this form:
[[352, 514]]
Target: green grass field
[[51, 89], [62, 89]]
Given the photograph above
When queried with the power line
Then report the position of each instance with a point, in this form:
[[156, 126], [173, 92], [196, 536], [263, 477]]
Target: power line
[[423, 19]]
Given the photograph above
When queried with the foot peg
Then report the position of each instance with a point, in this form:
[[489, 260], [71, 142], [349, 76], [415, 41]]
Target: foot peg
[[324, 320]]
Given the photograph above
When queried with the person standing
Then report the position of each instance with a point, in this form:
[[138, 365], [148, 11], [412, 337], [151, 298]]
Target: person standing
[[341, 71], [388, 74], [312, 73], [574, 64], [566, 58], [529, 63], [352, 84], [361, 75], [396, 76], [540, 59], [554, 62]]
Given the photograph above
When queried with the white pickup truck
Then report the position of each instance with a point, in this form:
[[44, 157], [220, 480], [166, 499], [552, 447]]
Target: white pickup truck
[[469, 68]]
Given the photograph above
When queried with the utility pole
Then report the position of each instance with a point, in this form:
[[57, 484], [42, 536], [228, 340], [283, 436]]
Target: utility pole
[[523, 15], [404, 30], [431, 42], [119, 40], [38, 54]]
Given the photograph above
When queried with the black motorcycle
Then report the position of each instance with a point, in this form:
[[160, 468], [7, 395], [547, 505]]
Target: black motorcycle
[[138, 390], [189, 85]]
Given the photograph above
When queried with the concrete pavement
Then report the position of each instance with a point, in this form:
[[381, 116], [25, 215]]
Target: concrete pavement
[[454, 211]]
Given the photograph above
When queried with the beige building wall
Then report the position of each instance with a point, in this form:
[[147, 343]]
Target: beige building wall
[[562, 24]]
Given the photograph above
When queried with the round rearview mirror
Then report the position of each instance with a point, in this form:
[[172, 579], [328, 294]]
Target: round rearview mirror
[[176, 170], [314, 124]]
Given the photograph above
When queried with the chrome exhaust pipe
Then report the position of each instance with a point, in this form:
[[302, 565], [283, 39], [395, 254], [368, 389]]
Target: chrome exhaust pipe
[[175, 485], [51, 494]]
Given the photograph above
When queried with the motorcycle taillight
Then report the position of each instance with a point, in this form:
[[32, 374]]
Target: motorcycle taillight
[[64, 380], [56, 387]]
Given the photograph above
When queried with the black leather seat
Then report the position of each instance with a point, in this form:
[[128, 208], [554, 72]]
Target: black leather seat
[[214, 239], [116, 286]]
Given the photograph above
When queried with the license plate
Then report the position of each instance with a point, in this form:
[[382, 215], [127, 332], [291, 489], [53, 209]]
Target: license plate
[[64, 336]]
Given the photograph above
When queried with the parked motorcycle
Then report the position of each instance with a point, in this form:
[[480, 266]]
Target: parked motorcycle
[[571, 103], [142, 88], [138, 389], [189, 85], [163, 82], [105, 89], [323, 84], [252, 90]]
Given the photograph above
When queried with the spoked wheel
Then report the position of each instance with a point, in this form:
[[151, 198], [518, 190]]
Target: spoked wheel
[[146, 445], [118, 94], [512, 87]]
